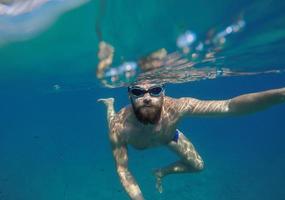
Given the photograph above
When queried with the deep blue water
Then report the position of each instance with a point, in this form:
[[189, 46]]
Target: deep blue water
[[56, 147], [54, 144]]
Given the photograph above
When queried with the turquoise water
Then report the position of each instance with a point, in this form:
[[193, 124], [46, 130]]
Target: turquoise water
[[54, 144]]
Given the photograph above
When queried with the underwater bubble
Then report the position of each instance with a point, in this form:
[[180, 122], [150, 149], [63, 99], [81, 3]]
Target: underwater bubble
[[186, 39]]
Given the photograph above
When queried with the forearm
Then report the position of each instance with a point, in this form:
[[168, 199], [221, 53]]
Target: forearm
[[130, 185], [253, 102]]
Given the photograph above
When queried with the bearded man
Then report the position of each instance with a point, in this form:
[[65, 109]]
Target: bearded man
[[151, 120]]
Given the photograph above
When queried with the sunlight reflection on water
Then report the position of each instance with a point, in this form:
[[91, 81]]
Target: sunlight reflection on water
[[23, 19]]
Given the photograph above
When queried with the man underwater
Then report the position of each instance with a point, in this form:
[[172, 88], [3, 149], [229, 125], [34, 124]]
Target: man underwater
[[152, 118]]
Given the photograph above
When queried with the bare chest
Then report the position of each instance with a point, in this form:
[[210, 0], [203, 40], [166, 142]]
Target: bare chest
[[144, 136]]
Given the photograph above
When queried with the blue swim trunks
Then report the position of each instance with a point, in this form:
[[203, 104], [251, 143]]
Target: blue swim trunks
[[176, 136]]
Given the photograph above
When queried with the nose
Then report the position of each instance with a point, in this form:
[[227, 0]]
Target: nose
[[146, 99]]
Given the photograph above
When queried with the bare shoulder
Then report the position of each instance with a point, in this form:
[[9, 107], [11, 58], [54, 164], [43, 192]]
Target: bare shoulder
[[180, 104], [123, 114]]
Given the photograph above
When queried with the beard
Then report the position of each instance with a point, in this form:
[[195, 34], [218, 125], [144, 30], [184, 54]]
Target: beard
[[147, 114]]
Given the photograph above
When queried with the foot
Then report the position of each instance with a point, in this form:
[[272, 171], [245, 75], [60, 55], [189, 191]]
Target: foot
[[108, 102], [158, 175]]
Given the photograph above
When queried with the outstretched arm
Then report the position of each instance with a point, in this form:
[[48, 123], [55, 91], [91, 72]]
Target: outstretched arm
[[121, 159], [244, 104], [250, 103]]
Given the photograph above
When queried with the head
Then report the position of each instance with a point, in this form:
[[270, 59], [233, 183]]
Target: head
[[147, 101]]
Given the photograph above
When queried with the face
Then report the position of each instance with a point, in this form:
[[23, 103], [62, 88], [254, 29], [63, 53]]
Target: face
[[147, 102]]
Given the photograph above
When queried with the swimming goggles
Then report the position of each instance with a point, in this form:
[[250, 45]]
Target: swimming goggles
[[154, 91]]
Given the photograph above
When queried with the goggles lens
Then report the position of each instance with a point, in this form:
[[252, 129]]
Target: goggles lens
[[137, 92], [153, 91]]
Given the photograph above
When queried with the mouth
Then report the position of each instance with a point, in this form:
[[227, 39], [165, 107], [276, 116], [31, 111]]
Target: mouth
[[147, 106]]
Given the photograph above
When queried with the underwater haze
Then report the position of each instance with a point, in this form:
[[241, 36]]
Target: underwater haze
[[53, 134]]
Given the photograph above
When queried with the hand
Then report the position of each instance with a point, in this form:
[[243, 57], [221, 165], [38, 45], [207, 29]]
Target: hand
[[107, 101], [283, 93]]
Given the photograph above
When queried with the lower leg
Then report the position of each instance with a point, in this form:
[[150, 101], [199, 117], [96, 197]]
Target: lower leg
[[179, 167], [175, 168], [190, 161]]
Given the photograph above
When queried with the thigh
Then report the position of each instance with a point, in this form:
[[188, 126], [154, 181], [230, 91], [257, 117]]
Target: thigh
[[185, 149]]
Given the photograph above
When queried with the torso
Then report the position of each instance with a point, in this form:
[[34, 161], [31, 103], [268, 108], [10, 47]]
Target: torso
[[143, 136]]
